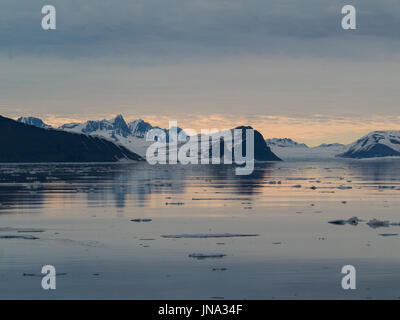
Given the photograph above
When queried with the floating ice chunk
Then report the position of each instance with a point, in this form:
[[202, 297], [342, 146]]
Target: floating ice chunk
[[27, 237], [353, 221], [339, 222], [208, 235], [23, 230], [206, 255], [275, 182], [375, 223], [219, 269], [174, 203], [40, 275]]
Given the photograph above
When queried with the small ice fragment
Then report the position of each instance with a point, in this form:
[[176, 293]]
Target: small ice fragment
[[29, 230], [40, 275], [28, 237], [208, 235], [339, 222], [375, 223], [353, 221], [141, 220], [219, 269], [206, 255]]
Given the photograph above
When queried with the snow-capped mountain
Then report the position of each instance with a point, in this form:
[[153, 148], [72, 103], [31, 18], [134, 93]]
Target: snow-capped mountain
[[288, 149], [227, 145], [115, 127], [33, 122], [21, 142], [131, 135], [139, 128], [375, 144], [284, 143], [116, 130]]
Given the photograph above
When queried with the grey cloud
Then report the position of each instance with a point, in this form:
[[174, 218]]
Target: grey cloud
[[175, 29]]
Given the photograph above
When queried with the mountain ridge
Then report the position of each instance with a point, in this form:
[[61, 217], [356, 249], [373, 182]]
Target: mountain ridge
[[375, 144], [21, 142]]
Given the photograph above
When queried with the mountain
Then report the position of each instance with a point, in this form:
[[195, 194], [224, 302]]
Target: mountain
[[139, 128], [375, 144], [284, 143], [261, 150], [111, 128], [131, 136], [33, 122], [20, 142], [288, 149]]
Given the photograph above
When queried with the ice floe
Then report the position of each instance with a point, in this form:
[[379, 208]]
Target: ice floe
[[375, 223], [353, 221], [208, 235], [206, 255], [21, 230], [27, 237], [141, 220], [41, 275]]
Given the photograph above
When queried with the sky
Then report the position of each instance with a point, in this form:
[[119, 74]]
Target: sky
[[286, 67]]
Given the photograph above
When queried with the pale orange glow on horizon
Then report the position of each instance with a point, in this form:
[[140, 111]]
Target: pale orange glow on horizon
[[312, 130]]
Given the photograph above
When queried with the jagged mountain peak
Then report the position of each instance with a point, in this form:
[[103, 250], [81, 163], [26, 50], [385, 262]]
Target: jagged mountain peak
[[33, 121], [139, 128]]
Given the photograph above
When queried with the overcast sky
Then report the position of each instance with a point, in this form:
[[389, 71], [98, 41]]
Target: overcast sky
[[284, 66]]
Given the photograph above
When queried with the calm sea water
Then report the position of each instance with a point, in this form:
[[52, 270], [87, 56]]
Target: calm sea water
[[84, 213]]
